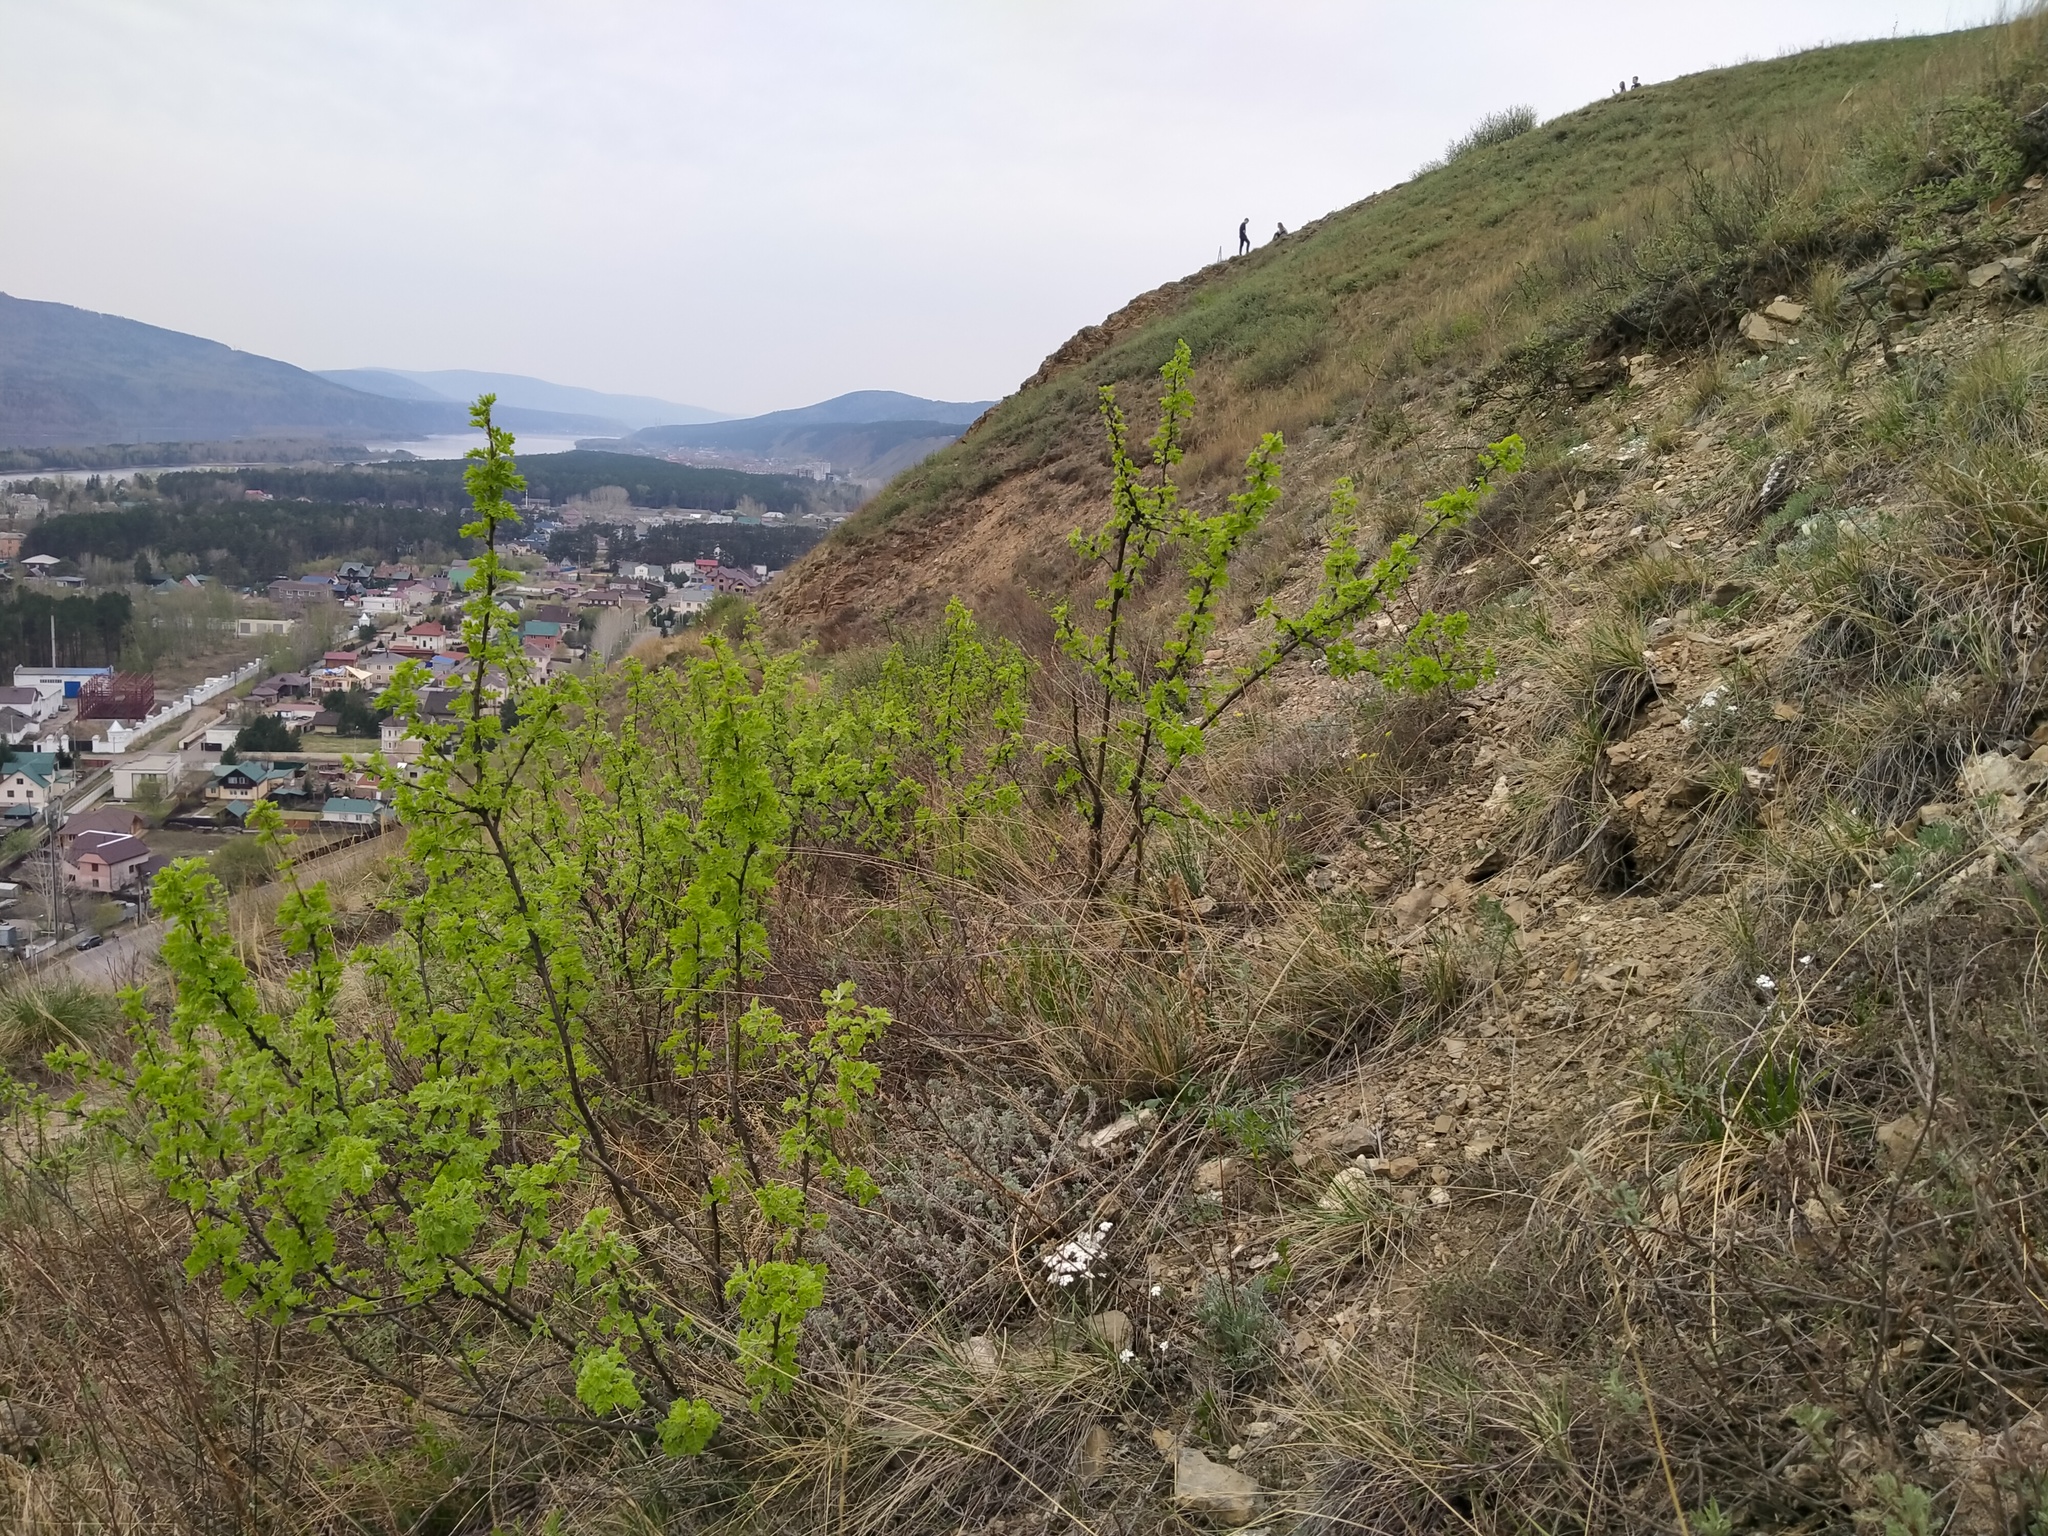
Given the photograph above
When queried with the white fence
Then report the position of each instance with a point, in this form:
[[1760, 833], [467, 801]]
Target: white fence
[[120, 737]]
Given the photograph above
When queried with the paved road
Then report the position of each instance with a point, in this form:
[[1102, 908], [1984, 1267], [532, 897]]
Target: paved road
[[120, 962]]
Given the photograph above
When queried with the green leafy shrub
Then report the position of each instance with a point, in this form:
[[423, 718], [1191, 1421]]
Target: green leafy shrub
[[1494, 128], [1137, 713], [575, 983]]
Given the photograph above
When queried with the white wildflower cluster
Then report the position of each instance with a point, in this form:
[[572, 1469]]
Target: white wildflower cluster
[[1075, 1259]]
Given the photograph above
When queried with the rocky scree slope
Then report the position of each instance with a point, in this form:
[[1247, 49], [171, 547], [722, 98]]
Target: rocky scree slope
[[1666, 1150]]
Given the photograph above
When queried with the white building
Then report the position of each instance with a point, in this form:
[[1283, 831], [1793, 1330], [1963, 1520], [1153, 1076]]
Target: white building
[[66, 681], [691, 600], [158, 770]]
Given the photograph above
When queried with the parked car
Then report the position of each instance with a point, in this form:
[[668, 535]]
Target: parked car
[[88, 941]]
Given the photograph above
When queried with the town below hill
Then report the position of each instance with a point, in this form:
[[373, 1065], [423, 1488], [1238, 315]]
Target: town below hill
[[154, 703]]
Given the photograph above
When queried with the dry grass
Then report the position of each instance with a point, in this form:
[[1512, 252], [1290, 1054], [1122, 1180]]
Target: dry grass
[[1733, 1304]]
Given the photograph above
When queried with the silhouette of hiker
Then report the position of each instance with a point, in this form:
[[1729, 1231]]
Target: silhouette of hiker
[[1279, 231], [1635, 82], [1244, 238]]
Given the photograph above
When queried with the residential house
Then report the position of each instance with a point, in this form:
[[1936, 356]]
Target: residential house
[[548, 629], [110, 819], [732, 579], [297, 591], [437, 707], [15, 727], [246, 783], [540, 654], [691, 600], [296, 714], [349, 812], [104, 861], [10, 546], [382, 604], [427, 639], [26, 780], [378, 668], [40, 565], [37, 703], [326, 723]]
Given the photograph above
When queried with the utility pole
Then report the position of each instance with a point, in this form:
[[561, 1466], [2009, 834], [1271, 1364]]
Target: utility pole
[[53, 640], [54, 816]]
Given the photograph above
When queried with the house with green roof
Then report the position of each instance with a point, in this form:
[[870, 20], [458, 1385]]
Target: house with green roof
[[347, 811], [245, 783], [25, 782]]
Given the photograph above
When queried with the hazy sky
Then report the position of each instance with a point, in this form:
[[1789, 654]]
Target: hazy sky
[[759, 203]]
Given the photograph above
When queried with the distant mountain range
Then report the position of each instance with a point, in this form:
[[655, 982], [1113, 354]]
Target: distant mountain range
[[459, 386], [867, 435], [73, 378]]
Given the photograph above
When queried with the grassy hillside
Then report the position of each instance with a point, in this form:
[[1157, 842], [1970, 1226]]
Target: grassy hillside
[[1522, 252], [1537, 1028]]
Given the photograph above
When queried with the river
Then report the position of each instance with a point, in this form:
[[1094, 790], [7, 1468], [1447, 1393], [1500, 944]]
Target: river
[[444, 445]]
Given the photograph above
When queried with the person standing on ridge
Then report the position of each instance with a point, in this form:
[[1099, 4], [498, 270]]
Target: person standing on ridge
[[1244, 238]]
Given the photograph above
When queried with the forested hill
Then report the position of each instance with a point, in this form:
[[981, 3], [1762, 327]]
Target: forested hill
[[72, 376], [238, 542], [552, 477], [414, 511], [869, 434]]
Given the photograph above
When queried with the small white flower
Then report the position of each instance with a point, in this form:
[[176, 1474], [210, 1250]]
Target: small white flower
[[1765, 984], [1806, 959], [1877, 885], [1158, 1290], [1126, 1357], [1075, 1259]]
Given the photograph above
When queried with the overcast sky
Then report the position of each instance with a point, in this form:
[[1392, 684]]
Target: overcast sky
[[758, 203]]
